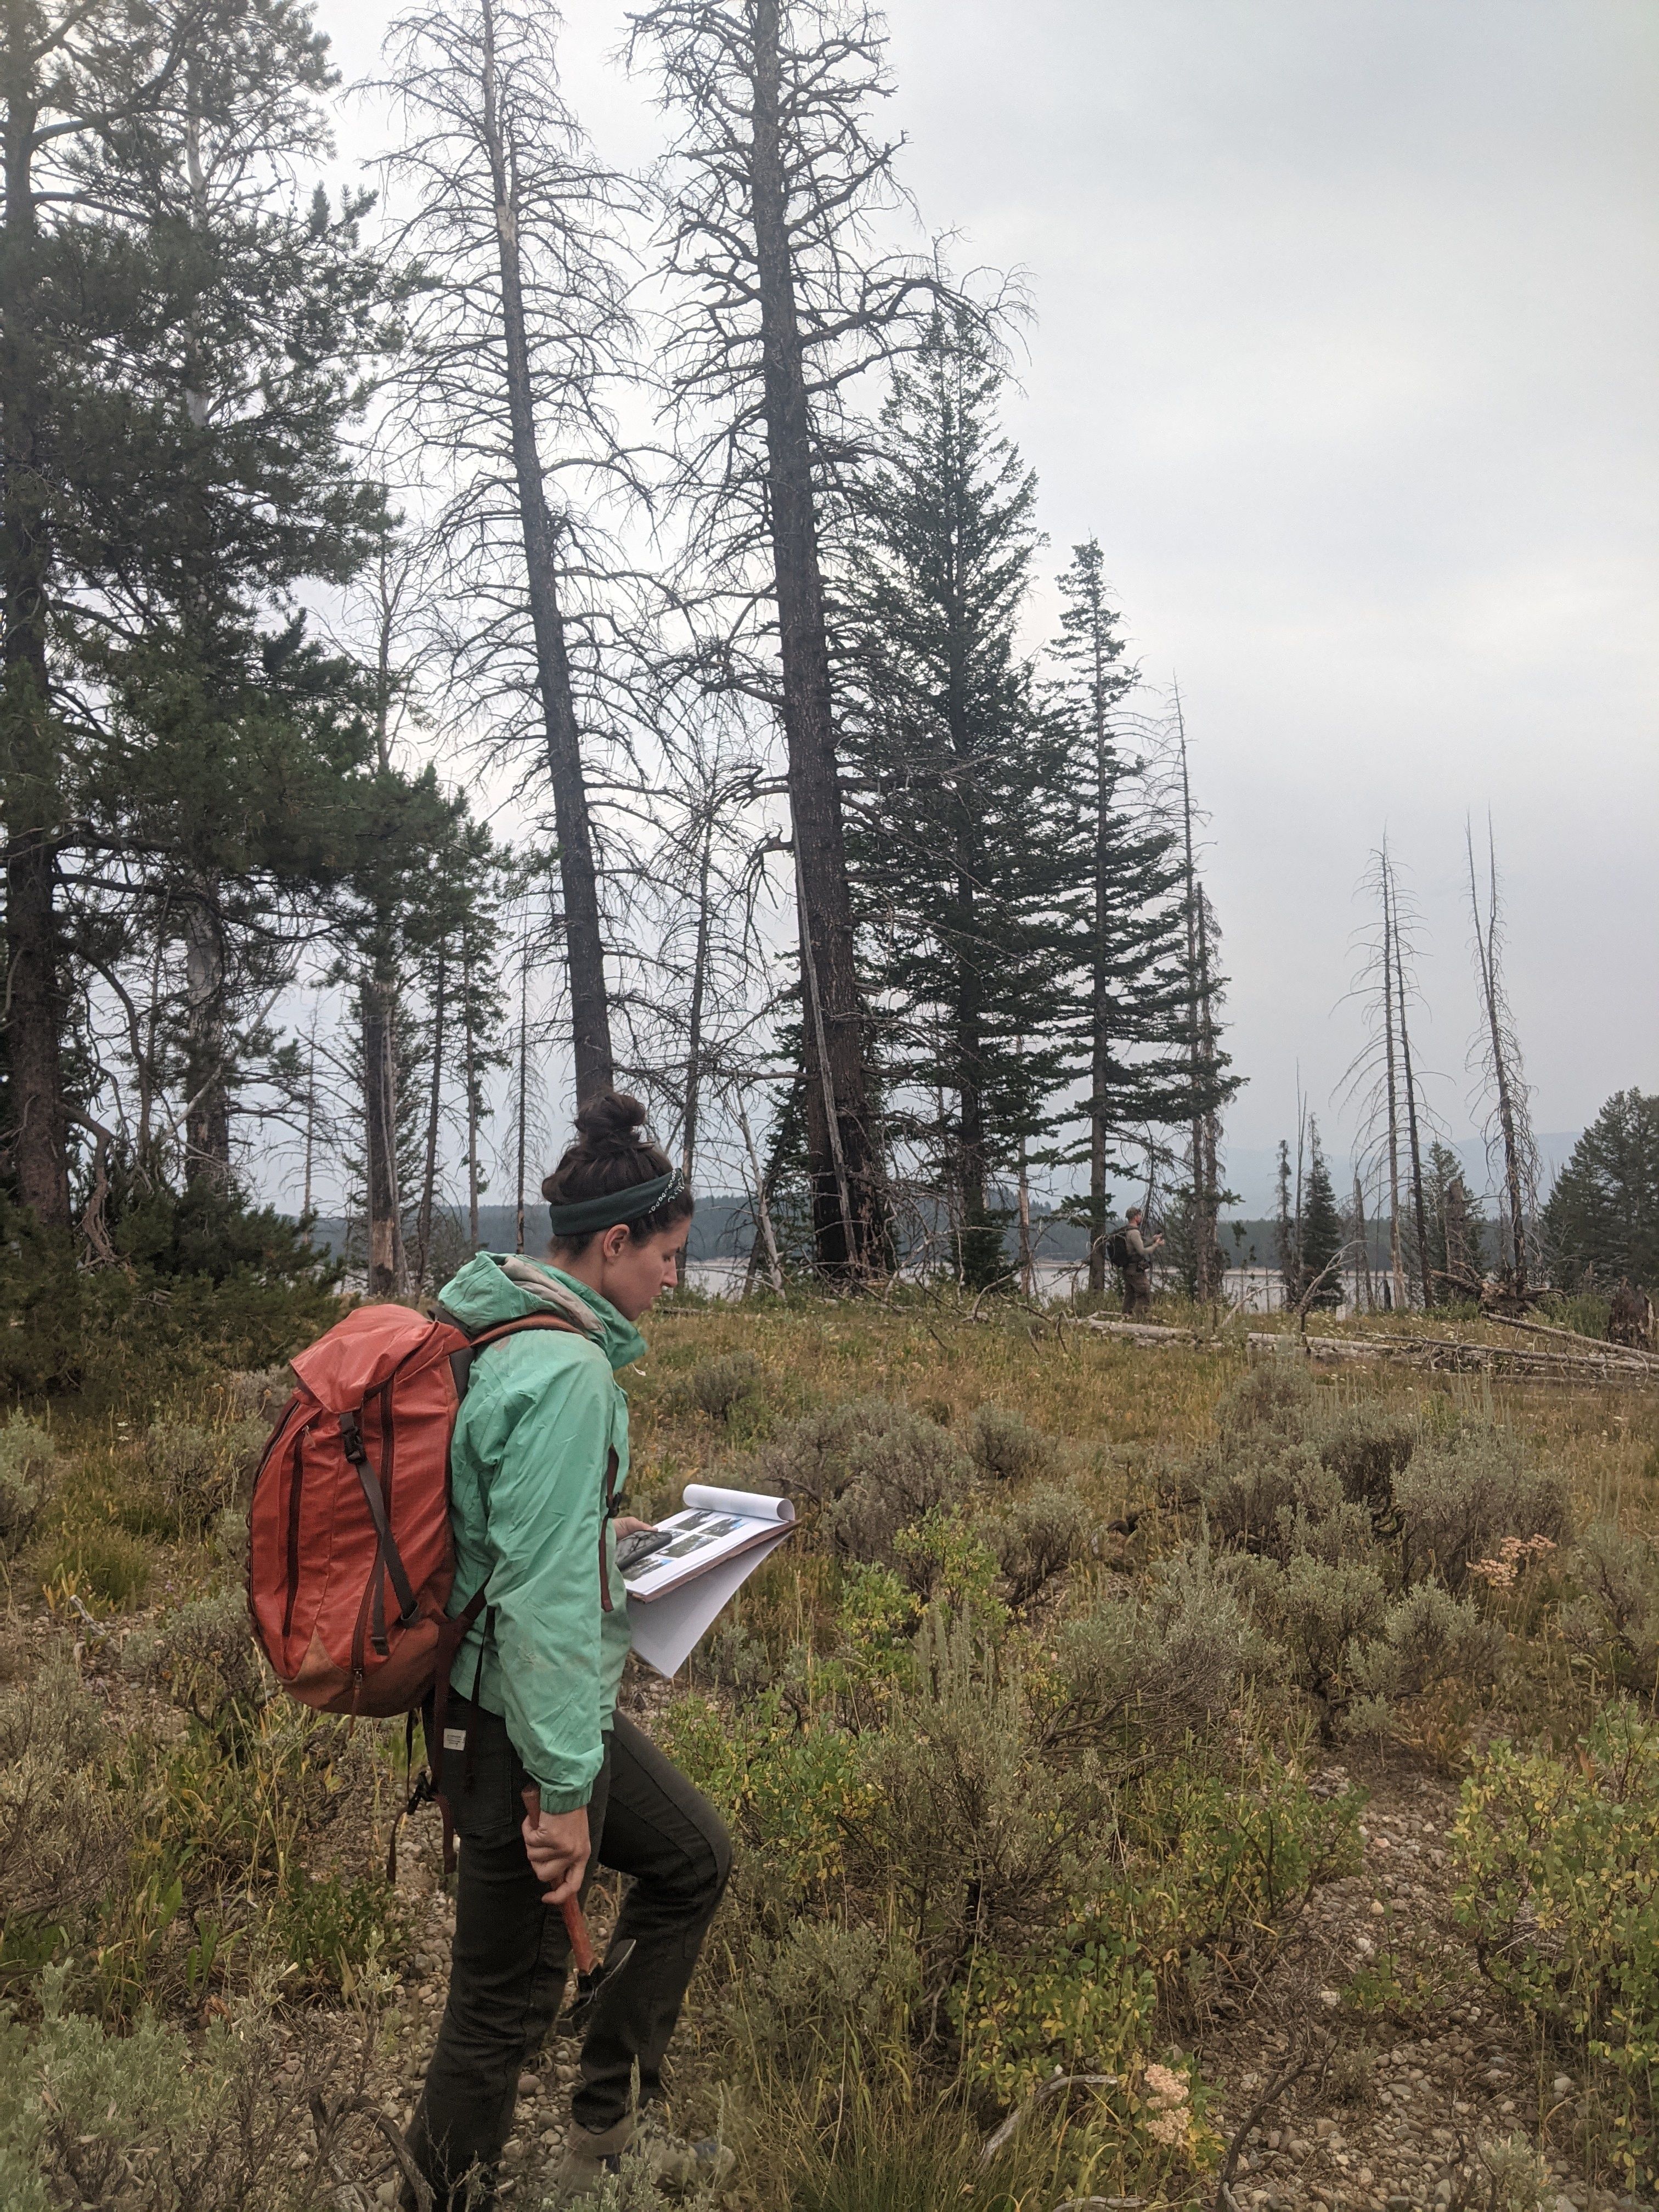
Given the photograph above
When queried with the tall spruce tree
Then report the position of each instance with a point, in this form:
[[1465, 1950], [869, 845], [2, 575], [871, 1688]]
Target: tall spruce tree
[[1320, 1240], [965, 815], [1130, 942], [1601, 1220], [182, 330]]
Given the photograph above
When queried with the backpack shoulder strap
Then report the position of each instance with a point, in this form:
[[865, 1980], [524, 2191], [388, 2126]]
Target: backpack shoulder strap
[[460, 1362]]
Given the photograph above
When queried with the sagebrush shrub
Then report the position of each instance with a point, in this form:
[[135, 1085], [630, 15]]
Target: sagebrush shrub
[[63, 1830], [258, 1393], [26, 1457], [1007, 1447], [1366, 1449], [1556, 1856], [718, 1387], [1615, 1620], [204, 1654], [873, 1467], [1160, 1662], [825, 1993], [1253, 1488], [198, 1471], [1039, 1536], [1458, 1499]]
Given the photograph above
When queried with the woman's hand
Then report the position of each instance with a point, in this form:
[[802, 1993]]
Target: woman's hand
[[557, 1845], [629, 1524]]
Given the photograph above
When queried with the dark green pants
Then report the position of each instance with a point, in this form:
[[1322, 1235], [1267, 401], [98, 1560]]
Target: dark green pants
[[508, 1969]]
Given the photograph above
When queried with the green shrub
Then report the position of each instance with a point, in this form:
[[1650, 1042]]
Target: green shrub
[[1555, 1858], [103, 1563], [874, 1468], [825, 1996], [1615, 1620], [1039, 1537], [1366, 1449], [1428, 1637], [62, 1831], [154, 2120], [717, 1388], [201, 1471], [26, 1457], [1007, 1447], [258, 1393], [1160, 1662], [204, 1654], [1459, 1498]]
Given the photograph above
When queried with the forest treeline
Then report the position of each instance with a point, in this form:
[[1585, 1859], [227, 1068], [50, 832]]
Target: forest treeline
[[675, 511]]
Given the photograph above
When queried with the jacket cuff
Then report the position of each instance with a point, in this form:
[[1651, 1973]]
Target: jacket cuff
[[562, 1801]]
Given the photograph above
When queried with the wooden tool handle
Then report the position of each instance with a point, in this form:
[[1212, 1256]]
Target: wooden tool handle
[[576, 1928]]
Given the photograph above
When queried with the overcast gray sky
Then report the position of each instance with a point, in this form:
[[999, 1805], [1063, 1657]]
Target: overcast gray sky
[[1347, 325]]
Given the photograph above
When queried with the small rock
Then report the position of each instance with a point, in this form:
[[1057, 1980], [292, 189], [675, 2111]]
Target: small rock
[[1561, 2087], [1442, 2191], [1400, 2204], [530, 2084]]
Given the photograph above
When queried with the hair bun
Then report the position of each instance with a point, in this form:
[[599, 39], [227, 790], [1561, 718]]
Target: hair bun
[[610, 1118]]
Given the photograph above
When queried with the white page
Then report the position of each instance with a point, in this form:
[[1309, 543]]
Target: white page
[[711, 1526], [667, 1630], [752, 1504]]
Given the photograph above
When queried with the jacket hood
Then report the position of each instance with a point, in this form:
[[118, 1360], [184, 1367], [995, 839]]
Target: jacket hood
[[497, 1286]]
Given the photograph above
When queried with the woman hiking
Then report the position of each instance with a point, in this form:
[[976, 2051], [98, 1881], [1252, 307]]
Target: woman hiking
[[547, 1780]]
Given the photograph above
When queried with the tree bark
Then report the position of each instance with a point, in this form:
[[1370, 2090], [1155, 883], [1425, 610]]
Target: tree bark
[[471, 1049], [34, 1008], [846, 1204], [385, 1228], [1396, 1265], [1419, 1211], [589, 1018], [206, 1118], [435, 1099], [1100, 1012]]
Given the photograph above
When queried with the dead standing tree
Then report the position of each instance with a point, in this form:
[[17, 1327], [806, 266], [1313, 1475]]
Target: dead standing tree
[[771, 190], [522, 332], [1384, 1075], [1495, 1057]]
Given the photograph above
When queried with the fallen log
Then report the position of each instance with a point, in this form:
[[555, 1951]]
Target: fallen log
[[1452, 1355], [1597, 1344], [1148, 1333]]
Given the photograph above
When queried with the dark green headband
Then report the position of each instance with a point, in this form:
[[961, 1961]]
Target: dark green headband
[[583, 1215]]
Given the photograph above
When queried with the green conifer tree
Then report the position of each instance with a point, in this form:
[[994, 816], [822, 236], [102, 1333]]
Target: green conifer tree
[[965, 818], [1602, 1218]]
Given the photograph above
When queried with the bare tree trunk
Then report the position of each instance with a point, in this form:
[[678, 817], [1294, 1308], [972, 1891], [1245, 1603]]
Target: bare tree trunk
[[589, 1018], [472, 1052], [765, 1240], [435, 1098], [1396, 1266], [1100, 1011], [846, 1207], [206, 1118], [1027, 1262], [38, 1134], [1492, 1009], [311, 1120], [1205, 1142], [385, 1227], [1419, 1210], [1362, 1262], [524, 1087], [699, 995]]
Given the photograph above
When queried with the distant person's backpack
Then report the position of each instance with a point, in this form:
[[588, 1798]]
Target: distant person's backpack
[[1117, 1249], [351, 1562]]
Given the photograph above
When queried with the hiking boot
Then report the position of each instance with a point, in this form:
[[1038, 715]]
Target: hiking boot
[[675, 2166]]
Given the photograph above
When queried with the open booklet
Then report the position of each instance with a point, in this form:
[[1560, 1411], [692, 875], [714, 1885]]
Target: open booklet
[[720, 1538]]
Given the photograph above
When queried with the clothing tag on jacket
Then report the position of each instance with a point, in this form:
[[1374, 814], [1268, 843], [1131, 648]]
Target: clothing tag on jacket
[[454, 1739]]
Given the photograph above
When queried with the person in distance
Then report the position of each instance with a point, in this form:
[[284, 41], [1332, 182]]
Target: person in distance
[[546, 1778]]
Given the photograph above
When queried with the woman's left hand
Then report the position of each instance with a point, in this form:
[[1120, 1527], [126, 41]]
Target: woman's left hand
[[629, 1524]]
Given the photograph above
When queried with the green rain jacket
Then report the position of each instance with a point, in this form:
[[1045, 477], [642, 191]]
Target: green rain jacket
[[541, 1415]]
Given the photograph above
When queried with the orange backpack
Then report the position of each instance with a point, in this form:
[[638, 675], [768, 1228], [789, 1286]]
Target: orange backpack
[[351, 1562]]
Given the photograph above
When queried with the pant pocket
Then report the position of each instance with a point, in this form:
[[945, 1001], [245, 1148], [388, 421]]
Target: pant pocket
[[479, 1779]]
